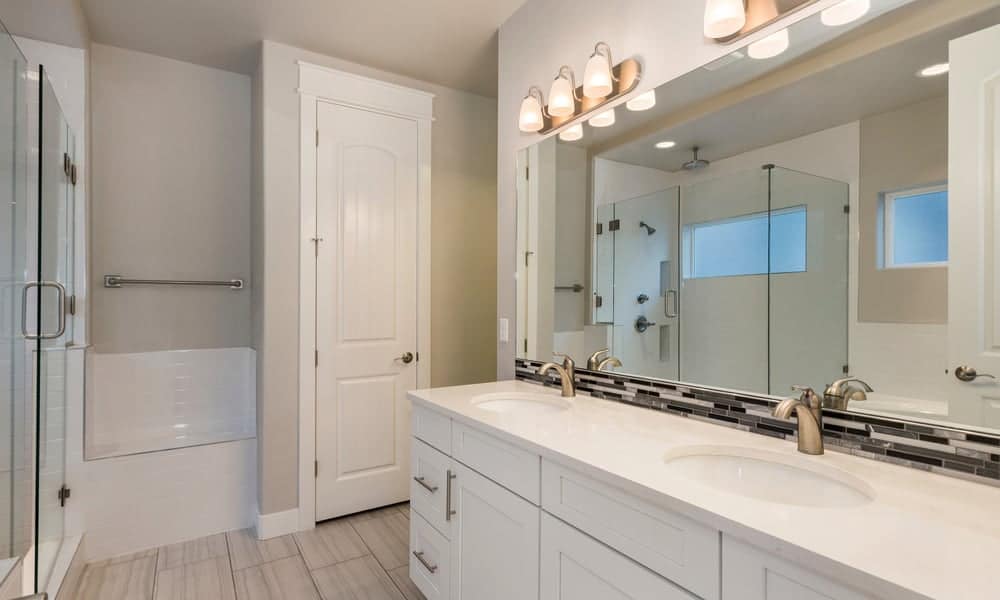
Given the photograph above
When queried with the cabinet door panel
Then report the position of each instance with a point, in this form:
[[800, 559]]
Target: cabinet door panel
[[575, 566], [494, 541], [429, 485], [430, 559], [752, 574]]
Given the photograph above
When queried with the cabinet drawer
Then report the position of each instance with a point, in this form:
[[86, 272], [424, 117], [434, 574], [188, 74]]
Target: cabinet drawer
[[575, 566], [749, 573], [431, 427], [684, 551], [430, 559], [429, 472], [516, 469]]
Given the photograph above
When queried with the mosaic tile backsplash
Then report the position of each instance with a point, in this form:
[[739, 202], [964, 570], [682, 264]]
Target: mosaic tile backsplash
[[951, 452]]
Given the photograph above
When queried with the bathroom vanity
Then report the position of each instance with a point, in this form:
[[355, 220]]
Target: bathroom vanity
[[519, 493]]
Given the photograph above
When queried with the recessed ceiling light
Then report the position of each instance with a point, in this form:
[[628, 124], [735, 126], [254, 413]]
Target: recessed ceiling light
[[666, 144], [934, 70]]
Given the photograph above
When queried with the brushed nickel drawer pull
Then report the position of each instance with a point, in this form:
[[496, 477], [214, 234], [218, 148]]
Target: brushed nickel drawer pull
[[430, 488], [448, 512], [420, 556]]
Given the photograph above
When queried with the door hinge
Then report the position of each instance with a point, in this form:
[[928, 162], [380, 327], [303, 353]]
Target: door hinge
[[598, 301], [317, 138], [67, 164], [315, 468], [72, 175], [600, 228], [527, 172], [64, 493], [71, 304], [316, 357], [614, 225], [525, 344], [847, 369], [847, 209]]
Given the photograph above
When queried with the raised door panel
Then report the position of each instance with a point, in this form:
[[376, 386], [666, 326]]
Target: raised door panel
[[751, 574], [674, 546], [575, 566], [494, 543]]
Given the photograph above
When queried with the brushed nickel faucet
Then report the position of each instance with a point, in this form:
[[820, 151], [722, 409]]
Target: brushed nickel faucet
[[841, 392], [808, 410], [567, 374], [596, 363]]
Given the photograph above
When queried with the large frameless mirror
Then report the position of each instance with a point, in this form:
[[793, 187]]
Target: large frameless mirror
[[785, 221]]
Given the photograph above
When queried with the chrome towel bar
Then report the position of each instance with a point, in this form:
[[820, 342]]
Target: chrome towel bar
[[117, 281]]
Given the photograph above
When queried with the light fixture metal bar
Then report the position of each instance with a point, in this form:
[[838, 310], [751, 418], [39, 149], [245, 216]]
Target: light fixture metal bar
[[627, 75], [785, 8]]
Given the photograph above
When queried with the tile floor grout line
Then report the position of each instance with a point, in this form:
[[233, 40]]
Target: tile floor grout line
[[156, 573], [232, 571], [377, 561]]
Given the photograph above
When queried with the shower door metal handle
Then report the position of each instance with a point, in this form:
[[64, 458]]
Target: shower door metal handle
[[61, 322], [670, 298]]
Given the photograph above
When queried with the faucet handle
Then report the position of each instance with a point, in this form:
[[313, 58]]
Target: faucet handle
[[595, 358], [568, 362], [808, 395]]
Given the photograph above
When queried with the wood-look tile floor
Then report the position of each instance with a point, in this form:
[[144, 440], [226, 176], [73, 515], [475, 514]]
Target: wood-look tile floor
[[360, 557]]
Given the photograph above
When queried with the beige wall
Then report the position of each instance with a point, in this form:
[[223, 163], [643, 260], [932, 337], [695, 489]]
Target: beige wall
[[904, 148], [463, 339], [171, 199]]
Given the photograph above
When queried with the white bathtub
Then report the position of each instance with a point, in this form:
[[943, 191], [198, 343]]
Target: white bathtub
[[151, 401]]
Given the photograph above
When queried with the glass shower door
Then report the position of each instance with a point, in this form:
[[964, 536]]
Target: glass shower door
[[54, 286], [16, 400]]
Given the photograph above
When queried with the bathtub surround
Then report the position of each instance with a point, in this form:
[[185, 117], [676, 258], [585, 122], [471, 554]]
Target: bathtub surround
[[951, 452]]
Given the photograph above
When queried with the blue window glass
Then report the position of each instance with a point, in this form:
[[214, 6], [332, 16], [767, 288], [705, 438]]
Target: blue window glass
[[739, 245], [917, 227]]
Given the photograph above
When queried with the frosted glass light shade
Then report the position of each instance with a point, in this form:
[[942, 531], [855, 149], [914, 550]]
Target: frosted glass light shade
[[603, 119], [845, 12], [769, 47], [572, 134], [561, 101], [597, 79], [724, 18], [531, 118], [643, 101]]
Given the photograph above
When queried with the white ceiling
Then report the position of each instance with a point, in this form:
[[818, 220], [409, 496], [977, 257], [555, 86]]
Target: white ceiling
[[441, 41]]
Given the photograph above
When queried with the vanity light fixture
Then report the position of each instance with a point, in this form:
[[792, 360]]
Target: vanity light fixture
[[845, 12], [724, 18], [769, 47], [572, 133], [934, 70], [644, 101], [532, 117], [665, 144], [562, 94], [598, 80], [603, 119]]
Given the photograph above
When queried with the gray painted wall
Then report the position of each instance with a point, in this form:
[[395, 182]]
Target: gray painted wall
[[895, 155], [463, 252], [171, 175]]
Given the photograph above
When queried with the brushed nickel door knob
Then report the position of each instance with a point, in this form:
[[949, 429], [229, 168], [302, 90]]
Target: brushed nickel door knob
[[407, 358]]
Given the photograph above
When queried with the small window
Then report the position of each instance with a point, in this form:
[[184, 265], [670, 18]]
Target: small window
[[739, 245], [913, 228]]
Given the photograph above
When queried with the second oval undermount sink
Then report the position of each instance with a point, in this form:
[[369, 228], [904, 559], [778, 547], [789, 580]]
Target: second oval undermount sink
[[770, 476], [520, 402]]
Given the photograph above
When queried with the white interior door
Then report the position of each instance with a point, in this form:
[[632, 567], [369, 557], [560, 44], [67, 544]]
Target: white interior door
[[366, 307], [974, 223]]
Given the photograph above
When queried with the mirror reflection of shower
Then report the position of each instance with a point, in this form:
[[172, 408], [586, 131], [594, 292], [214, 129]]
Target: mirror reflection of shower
[[649, 229]]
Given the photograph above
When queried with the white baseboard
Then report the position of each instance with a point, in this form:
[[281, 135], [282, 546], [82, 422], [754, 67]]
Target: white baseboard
[[277, 524]]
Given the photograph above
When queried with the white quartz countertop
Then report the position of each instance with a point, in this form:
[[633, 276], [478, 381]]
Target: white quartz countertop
[[923, 535]]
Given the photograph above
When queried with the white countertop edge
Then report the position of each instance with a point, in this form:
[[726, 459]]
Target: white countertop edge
[[865, 578]]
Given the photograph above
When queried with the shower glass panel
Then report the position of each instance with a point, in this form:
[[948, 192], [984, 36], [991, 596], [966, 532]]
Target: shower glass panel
[[55, 215], [16, 400], [724, 289], [808, 282], [645, 275]]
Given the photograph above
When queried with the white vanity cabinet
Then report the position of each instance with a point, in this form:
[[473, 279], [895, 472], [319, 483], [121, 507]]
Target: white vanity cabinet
[[491, 520], [749, 573], [471, 538]]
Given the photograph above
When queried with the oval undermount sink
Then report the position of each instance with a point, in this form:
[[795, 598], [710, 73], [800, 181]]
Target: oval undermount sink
[[770, 476], [520, 402]]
